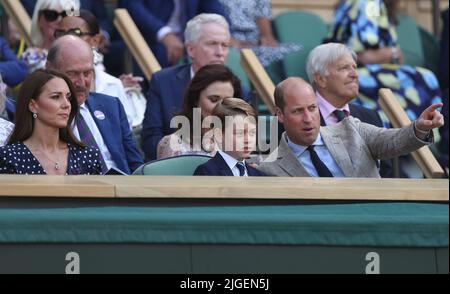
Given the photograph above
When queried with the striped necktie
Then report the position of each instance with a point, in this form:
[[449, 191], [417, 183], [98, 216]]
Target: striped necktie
[[87, 138], [241, 166]]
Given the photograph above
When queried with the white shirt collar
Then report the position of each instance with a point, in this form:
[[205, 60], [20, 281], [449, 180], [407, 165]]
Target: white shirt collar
[[230, 160], [192, 72], [299, 149]]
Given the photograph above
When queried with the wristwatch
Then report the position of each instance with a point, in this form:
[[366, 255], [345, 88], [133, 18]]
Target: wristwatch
[[395, 57]]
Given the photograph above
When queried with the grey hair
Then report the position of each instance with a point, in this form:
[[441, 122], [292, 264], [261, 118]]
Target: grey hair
[[321, 57], [36, 35], [194, 26]]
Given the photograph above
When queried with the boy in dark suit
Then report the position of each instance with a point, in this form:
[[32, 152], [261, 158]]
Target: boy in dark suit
[[236, 140]]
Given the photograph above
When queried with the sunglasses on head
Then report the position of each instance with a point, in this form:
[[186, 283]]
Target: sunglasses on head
[[74, 32], [52, 15]]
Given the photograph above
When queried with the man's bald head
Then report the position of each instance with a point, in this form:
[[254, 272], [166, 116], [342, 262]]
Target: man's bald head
[[291, 86], [73, 56], [68, 46]]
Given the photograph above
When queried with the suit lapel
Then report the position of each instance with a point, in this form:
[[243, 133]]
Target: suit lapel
[[103, 125], [288, 162], [338, 151], [184, 74], [252, 172], [322, 120], [222, 166]]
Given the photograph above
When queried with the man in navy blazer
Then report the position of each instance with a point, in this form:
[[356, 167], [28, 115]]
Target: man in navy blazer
[[115, 131], [207, 41], [332, 71], [162, 22], [236, 138], [104, 115]]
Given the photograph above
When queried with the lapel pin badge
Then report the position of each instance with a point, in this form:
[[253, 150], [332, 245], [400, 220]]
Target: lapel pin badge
[[99, 115]]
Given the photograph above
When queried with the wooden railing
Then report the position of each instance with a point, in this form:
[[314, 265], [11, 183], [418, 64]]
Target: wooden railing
[[398, 118], [333, 189], [19, 16], [136, 43], [259, 78]]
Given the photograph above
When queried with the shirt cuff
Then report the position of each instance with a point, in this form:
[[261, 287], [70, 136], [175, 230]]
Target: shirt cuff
[[429, 135], [163, 32]]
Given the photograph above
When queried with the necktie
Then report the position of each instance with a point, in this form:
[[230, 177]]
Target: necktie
[[87, 138], [340, 114], [241, 166], [320, 167]]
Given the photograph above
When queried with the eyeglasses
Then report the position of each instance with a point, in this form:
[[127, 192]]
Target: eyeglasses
[[74, 32], [52, 15]]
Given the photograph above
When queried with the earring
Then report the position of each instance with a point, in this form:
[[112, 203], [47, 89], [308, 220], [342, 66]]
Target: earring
[[34, 115]]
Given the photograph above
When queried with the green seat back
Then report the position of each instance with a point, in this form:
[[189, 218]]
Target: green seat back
[[431, 50], [409, 40], [233, 62], [302, 28], [183, 165]]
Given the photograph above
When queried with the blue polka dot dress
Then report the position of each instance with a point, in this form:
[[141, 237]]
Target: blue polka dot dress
[[18, 159]]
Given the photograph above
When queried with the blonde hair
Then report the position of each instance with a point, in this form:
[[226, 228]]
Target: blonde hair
[[59, 5], [230, 107]]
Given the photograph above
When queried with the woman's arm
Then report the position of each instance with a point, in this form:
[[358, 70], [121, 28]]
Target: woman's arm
[[265, 28], [381, 55]]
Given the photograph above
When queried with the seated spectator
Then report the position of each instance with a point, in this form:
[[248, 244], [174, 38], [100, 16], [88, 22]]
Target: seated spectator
[[251, 27], [12, 70], [86, 27], [209, 87], [348, 149], [207, 39], [6, 129], [97, 7], [46, 18], [3, 99], [42, 141], [236, 137], [163, 22], [332, 72], [444, 71], [101, 121], [374, 39]]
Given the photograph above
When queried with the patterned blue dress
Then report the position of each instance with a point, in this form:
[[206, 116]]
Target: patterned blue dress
[[243, 15], [18, 159], [359, 28]]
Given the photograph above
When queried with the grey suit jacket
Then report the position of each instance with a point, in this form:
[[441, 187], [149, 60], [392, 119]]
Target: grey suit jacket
[[355, 146]]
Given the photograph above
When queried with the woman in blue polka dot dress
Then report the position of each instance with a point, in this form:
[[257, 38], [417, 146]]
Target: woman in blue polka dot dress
[[42, 141]]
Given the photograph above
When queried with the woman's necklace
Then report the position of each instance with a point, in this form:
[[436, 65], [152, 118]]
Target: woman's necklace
[[56, 163]]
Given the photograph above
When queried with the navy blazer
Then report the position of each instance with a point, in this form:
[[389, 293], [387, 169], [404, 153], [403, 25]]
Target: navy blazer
[[372, 117], [115, 131], [12, 70], [164, 101], [151, 15], [217, 166]]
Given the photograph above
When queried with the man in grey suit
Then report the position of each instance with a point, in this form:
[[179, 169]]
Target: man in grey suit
[[332, 72], [347, 149]]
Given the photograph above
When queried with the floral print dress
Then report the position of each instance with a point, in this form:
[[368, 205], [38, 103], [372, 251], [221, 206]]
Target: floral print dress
[[359, 28]]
